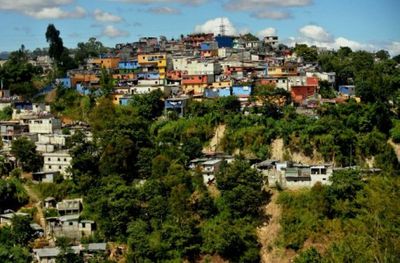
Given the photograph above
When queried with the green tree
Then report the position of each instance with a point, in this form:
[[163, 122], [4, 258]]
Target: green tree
[[56, 48], [24, 151]]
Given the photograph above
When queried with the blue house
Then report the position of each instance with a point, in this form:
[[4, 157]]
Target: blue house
[[224, 92], [347, 90], [82, 89], [65, 82], [124, 101], [128, 66], [148, 75], [211, 93], [224, 41], [241, 91]]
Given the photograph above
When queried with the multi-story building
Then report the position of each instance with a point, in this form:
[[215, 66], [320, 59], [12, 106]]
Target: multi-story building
[[57, 162], [44, 125]]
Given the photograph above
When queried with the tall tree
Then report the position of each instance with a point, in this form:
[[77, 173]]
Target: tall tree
[[56, 44]]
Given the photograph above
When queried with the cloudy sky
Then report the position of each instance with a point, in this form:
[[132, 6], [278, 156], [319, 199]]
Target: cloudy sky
[[360, 24]]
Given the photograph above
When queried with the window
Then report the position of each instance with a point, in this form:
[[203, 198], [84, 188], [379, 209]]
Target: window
[[49, 159], [49, 166], [59, 167], [58, 159], [71, 223], [65, 159], [83, 225]]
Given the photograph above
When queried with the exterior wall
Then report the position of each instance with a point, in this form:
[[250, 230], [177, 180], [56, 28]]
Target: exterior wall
[[348, 90], [225, 92], [128, 65], [274, 71], [241, 90], [300, 93], [52, 139], [159, 60], [44, 125], [56, 162], [202, 68], [108, 63]]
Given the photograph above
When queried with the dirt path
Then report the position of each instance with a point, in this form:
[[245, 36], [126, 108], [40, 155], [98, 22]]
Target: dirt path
[[268, 234], [34, 198], [215, 141]]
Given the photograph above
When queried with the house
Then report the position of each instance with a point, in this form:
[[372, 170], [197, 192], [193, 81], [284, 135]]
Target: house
[[50, 202], [57, 162], [65, 82], [49, 255], [271, 40], [70, 226], [241, 91], [209, 168], [288, 175], [11, 130], [178, 105], [347, 90], [156, 61], [70, 206], [196, 84], [282, 71], [44, 125], [107, 63], [6, 219], [330, 77], [128, 66], [45, 177], [299, 94]]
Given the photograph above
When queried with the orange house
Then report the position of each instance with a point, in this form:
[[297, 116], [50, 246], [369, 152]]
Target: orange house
[[194, 84], [174, 75], [84, 78], [300, 93], [108, 63]]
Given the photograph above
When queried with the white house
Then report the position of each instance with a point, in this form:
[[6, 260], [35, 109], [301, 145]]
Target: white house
[[57, 162], [44, 125]]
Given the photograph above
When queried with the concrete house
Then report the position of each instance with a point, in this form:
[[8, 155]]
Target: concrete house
[[57, 162], [44, 125], [289, 175], [209, 168], [70, 206]]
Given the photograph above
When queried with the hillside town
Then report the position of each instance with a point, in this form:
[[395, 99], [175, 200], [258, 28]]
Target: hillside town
[[196, 69]]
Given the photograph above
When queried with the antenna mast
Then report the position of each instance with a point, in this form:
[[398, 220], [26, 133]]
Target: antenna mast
[[222, 28]]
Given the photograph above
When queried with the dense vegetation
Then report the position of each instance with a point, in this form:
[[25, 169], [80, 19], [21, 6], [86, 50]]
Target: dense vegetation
[[352, 220], [136, 184]]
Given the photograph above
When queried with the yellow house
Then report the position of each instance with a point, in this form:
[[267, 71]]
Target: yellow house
[[221, 84], [158, 60], [194, 88], [108, 63], [116, 97], [279, 71]]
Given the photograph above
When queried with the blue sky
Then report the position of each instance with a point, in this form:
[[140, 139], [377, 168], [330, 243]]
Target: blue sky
[[360, 24]]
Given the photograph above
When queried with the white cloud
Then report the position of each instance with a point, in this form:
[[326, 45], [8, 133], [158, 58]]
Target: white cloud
[[394, 48], [315, 33], [269, 31], [57, 13], [270, 14], [213, 26], [43, 9], [186, 2], [112, 32], [23, 5], [164, 10], [317, 36], [102, 16], [245, 5]]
